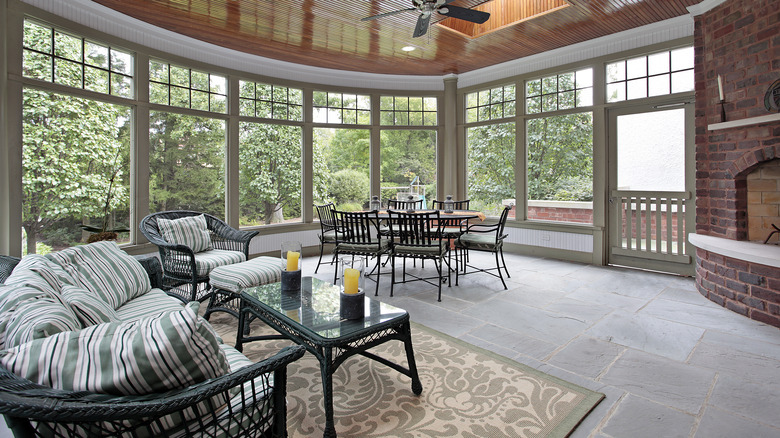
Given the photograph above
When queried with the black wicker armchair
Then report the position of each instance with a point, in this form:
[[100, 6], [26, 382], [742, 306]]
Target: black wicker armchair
[[180, 274], [257, 405]]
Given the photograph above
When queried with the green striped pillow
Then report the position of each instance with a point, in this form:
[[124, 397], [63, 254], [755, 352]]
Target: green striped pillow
[[10, 299], [105, 270], [167, 351], [89, 309], [191, 231], [36, 318]]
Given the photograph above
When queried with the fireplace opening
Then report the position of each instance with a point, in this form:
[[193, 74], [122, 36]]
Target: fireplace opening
[[763, 210]]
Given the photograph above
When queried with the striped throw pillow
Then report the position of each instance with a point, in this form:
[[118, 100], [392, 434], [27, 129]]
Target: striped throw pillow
[[89, 309], [105, 270], [39, 317], [167, 351], [190, 231]]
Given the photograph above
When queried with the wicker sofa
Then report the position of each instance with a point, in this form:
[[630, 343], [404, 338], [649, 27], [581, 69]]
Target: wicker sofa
[[113, 372]]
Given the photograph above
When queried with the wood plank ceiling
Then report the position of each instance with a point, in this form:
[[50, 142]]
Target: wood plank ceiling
[[329, 33]]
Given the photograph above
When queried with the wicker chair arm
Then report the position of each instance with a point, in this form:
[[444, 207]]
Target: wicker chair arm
[[153, 269], [7, 265], [24, 399]]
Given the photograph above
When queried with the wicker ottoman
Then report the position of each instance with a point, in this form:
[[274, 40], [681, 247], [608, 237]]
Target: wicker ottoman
[[228, 281]]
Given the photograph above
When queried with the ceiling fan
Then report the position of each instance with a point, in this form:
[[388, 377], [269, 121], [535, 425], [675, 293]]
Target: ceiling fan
[[427, 7]]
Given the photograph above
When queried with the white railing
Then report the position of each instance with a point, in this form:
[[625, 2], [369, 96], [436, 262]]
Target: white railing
[[650, 223]]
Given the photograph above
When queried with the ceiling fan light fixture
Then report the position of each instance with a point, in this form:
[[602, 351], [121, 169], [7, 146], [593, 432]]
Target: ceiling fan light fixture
[[443, 10]]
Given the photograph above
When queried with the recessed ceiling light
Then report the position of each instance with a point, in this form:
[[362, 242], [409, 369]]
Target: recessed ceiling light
[[408, 48]]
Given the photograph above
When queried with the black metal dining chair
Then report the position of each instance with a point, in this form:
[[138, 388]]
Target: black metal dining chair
[[327, 234], [357, 234], [418, 236], [393, 204], [486, 238], [452, 227]]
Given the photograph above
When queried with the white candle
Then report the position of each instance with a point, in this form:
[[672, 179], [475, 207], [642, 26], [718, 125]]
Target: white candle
[[720, 88]]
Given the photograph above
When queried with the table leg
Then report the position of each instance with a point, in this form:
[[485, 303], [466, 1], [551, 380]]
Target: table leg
[[327, 392], [240, 329], [416, 384]]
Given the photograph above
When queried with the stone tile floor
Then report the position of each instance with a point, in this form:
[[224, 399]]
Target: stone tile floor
[[671, 363]]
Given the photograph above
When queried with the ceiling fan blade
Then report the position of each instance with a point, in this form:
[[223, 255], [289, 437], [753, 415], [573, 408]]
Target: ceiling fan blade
[[386, 14], [422, 25], [471, 15]]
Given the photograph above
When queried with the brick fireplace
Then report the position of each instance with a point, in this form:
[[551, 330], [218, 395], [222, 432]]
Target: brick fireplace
[[739, 41]]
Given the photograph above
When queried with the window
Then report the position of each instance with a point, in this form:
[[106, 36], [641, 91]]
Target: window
[[560, 168], [408, 160], [652, 75], [490, 176], [270, 101], [341, 167], [186, 88], [75, 169], [186, 163], [491, 104], [55, 56], [408, 111], [559, 92], [340, 108], [270, 173]]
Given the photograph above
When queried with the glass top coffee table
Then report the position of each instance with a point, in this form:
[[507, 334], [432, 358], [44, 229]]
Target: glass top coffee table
[[310, 317]]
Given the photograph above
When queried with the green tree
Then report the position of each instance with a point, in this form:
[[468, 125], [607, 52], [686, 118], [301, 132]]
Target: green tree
[[491, 166], [270, 172], [560, 157], [186, 163], [67, 163], [407, 154]]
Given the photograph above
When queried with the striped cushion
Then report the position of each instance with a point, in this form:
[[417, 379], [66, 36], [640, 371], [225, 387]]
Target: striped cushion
[[149, 304], [208, 260], [171, 350], [39, 317], [89, 309], [190, 231], [234, 278], [38, 272], [105, 270], [363, 248], [10, 298], [486, 242]]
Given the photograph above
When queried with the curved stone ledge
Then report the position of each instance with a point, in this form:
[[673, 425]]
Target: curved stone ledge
[[753, 252]]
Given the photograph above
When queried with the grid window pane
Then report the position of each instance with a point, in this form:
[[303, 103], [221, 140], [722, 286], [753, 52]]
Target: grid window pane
[[492, 104], [648, 76], [406, 111], [338, 108]]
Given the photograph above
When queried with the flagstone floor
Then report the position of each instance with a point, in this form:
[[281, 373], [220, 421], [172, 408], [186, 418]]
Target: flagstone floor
[[671, 363]]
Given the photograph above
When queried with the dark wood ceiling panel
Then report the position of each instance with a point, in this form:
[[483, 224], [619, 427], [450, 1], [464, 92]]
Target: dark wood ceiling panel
[[328, 33]]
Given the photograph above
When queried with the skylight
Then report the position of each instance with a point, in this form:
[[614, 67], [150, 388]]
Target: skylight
[[503, 13]]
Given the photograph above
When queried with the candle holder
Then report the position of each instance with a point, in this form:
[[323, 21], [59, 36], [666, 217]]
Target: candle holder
[[722, 111], [449, 204], [375, 204], [352, 296], [291, 266]]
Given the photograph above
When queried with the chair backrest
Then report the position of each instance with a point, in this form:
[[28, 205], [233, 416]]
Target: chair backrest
[[327, 216], [456, 205], [405, 205], [150, 228], [357, 227], [502, 222], [415, 229]]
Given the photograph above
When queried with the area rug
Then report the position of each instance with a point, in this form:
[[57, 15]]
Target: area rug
[[467, 392]]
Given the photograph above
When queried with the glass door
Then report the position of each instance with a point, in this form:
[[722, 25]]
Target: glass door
[[651, 186]]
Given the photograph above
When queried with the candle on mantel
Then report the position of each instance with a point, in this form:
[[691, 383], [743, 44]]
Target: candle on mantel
[[292, 260], [351, 277], [720, 88]]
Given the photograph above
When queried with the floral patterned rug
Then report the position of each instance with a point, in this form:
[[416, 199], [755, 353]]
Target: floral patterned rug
[[467, 392]]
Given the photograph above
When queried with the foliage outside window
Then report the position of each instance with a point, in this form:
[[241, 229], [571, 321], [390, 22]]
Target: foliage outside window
[[55, 56], [342, 108], [408, 111], [491, 104], [186, 163], [560, 167], [490, 175], [408, 157], [559, 92], [270, 101], [73, 172], [341, 174], [657, 74], [186, 88], [270, 173]]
